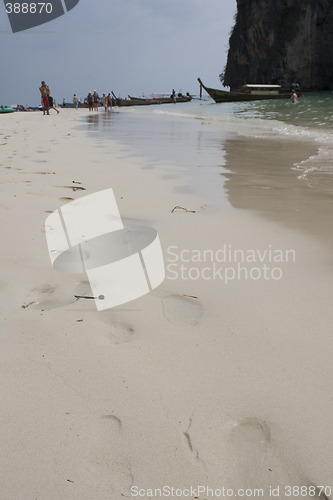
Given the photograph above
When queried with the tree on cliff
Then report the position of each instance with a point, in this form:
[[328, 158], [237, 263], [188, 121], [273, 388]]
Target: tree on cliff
[[281, 41]]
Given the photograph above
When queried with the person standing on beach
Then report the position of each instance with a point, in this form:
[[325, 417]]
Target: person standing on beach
[[75, 101], [51, 103], [105, 102], [96, 100], [90, 102], [44, 92], [109, 102]]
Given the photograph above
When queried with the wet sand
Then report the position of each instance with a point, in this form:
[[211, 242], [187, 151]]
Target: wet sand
[[264, 177], [201, 382]]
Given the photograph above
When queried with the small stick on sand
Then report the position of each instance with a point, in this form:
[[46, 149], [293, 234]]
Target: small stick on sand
[[181, 208], [100, 297], [24, 306]]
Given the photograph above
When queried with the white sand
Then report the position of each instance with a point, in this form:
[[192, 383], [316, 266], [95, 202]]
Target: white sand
[[230, 389]]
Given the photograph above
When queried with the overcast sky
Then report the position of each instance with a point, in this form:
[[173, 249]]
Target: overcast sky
[[128, 46]]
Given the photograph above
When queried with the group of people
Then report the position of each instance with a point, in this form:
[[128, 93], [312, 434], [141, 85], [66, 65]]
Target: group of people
[[93, 101], [47, 99]]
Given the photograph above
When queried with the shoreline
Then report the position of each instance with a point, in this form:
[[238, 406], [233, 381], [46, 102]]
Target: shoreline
[[257, 173], [210, 374]]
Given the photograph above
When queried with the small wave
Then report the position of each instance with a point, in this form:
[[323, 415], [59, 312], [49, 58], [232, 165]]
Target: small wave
[[174, 113], [317, 169], [246, 119]]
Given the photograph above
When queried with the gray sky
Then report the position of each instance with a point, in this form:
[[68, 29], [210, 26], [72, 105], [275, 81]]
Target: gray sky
[[128, 46]]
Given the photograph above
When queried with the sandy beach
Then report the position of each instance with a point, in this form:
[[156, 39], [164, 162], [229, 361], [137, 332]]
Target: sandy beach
[[218, 378]]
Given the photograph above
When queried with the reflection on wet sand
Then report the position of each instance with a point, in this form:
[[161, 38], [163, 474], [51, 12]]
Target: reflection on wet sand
[[261, 177]]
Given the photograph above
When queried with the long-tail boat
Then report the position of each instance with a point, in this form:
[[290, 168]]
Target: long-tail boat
[[154, 99], [165, 98], [132, 101], [252, 92]]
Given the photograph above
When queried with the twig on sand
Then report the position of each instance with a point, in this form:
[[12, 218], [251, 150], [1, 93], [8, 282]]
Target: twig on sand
[[24, 306], [76, 188], [100, 297], [182, 208]]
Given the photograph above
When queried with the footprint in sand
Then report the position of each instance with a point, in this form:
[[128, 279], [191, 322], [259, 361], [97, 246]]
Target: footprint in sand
[[48, 297], [257, 460], [249, 439], [49, 289], [118, 333], [244, 453], [113, 418], [107, 452], [180, 310]]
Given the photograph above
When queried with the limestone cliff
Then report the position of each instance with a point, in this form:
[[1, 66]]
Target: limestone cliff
[[281, 41]]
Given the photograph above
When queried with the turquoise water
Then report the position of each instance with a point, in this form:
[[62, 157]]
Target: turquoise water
[[310, 119], [313, 111]]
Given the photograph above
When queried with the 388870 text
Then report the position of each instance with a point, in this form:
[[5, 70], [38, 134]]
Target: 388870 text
[[29, 8]]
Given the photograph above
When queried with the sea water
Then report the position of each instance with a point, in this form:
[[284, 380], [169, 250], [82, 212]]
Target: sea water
[[311, 119], [193, 134]]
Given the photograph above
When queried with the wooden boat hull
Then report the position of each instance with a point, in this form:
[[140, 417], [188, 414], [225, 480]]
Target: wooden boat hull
[[224, 96], [142, 101], [134, 102], [162, 100]]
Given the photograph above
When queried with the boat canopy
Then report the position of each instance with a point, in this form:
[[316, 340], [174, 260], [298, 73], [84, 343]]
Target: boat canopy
[[261, 86]]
